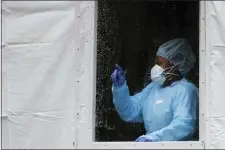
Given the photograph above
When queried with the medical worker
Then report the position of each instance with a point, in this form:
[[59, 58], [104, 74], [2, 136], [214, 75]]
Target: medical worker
[[167, 106]]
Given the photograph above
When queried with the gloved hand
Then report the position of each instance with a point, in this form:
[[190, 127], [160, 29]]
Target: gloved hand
[[143, 139], [118, 76]]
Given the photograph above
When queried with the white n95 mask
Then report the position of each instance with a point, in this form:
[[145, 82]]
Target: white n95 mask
[[157, 74]]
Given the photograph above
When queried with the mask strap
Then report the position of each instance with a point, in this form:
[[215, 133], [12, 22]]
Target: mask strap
[[172, 67], [170, 74], [169, 68]]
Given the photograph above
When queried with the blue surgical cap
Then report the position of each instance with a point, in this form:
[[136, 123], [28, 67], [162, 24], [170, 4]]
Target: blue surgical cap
[[179, 53]]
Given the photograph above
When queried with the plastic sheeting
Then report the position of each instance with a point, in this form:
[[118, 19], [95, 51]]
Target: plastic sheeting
[[47, 74], [44, 46], [215, 48]]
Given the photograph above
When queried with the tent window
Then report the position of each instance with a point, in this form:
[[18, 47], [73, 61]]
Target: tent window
[[129, 33]]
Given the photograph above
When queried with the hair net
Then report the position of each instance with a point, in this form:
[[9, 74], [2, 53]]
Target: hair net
[[179, 53]]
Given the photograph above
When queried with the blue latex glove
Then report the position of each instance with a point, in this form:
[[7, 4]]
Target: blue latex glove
[[143, 139], [118, 76]]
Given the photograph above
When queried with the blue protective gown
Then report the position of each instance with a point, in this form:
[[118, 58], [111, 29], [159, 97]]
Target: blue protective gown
[[169, 114]]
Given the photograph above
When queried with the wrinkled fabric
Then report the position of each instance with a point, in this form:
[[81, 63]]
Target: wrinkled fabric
[[179, 53], [143, 139], [214, 62], [169, 114], [46, 80]]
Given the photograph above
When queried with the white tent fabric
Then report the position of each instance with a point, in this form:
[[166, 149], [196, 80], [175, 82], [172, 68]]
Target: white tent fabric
[[47, 73], [44, 49], [215, 47]]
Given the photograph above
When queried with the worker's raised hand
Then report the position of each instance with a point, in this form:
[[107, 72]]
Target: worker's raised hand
[[118, 76]]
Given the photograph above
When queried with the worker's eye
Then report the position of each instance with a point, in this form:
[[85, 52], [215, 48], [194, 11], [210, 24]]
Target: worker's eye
[[157, 62]]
